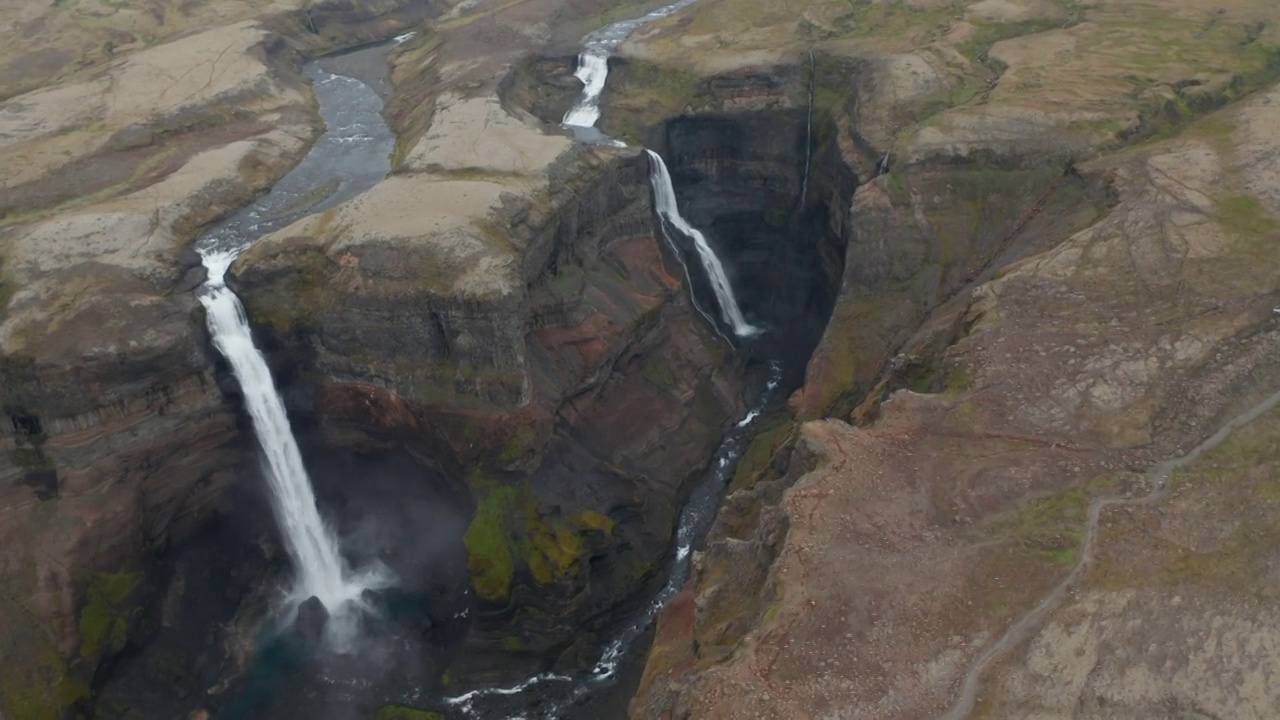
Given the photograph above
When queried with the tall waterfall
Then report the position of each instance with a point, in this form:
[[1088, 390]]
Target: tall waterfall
[[351, 156], [320, 569], [664, 199]]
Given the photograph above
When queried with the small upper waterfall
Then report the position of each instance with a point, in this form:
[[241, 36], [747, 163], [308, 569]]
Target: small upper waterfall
[[351, 156], [593, 64], [593, 70], [664, 200]]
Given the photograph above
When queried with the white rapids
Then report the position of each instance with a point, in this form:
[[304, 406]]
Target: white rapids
[[593, 67]]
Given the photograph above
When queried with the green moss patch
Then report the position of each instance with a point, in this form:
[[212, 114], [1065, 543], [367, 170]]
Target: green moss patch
[[488, 543], [640, 94], [510, 535], [402, 712], [295, 299], [34, 682], [979, 44], [658, 374], [867, 18], [7, 289], [552, 548], [1230, 498], [1244, 217], [759, 454], [1052, 528], [518, 445], [595, 521], [104, 620]]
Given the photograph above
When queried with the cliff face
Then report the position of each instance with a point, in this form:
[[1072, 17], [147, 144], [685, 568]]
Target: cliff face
[[502, 306], [1024, 317], [1003, 367], [116, 440]]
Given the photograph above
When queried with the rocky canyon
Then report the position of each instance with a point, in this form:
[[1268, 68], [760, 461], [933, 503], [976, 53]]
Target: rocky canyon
[[994, 435]]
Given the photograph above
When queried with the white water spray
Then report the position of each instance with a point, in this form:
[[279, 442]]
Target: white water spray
[[664, 200]]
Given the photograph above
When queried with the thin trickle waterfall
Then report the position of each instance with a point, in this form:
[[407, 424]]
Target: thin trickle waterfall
[[320, 570], [351, 156], [664, 199], [808, 137]]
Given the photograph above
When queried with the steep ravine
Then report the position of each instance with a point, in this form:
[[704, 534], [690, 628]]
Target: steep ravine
[[618, 393], [583, 402], [568, 413], [901, 246], [498, 376]]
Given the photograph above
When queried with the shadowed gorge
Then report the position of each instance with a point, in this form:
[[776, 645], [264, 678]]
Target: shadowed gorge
[[740, 177]]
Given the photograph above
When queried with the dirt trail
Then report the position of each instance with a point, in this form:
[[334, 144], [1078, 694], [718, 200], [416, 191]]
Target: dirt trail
[[1158, 476]]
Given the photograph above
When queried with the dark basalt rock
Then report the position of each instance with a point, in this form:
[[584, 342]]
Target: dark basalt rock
[[311, 620]]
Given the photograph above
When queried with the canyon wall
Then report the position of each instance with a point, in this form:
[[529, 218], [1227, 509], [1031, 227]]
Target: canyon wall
[[117, 438], [557, 371]]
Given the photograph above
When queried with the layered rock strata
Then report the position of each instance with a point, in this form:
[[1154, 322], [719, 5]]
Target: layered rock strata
[[116, 441], [1028, 323]]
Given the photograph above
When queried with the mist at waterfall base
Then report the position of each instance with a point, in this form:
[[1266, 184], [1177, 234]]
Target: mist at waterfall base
[[275, 610], [349, 157], [320, 570]]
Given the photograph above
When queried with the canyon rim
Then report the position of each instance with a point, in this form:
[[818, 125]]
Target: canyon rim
[[987, 433]]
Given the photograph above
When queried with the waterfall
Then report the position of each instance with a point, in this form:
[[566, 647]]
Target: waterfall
[[808, 137], [593, 70], [593, 67], [351, 156], [664, 199], [688, 278], [310, 542]]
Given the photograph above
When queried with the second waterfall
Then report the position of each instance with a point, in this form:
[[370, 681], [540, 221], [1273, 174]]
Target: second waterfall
[[664, 200]]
